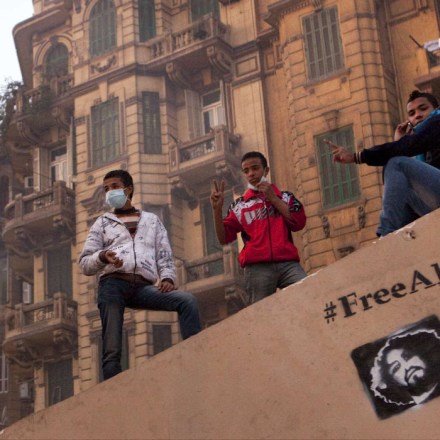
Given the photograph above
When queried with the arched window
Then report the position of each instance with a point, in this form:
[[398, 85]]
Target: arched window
[[102, 27], [147, 20], [57, 61]]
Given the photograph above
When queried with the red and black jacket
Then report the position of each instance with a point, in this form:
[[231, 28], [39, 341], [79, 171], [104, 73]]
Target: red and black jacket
[[266, 233]]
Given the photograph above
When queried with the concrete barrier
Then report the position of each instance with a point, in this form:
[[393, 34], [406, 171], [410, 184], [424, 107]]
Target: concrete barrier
[[317, 360]]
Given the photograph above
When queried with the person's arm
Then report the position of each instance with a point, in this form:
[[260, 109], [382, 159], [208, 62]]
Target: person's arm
[[289, 207], [92, 258], [217, 200], [164, 259], [426, 139]]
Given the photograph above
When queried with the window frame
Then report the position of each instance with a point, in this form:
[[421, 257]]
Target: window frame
[[57, 68], [65, 381], [322, 29], [104, 119], [200, 8], [147, 14], [102, 28], [151, 111], [339, 183], [65, 281]]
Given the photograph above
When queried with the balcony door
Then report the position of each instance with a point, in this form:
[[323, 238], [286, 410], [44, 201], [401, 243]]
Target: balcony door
[[58, 164]]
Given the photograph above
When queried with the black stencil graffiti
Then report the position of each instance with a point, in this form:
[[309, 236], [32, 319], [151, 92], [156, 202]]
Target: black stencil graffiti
[[402, 370]]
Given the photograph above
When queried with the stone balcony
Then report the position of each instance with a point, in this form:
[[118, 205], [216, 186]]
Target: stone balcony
[[209, 156], [203, 43], [214, 278], [33, 220], [44, 329]]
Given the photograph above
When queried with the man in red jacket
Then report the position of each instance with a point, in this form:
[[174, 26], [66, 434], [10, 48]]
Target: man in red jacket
[[265, 217]]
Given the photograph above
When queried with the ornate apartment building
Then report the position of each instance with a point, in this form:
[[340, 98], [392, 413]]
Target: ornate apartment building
[[175, 91]]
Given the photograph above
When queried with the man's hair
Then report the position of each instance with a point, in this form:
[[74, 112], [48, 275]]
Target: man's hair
[[418, 94], [125, 176], [425, 344], [255, 154]]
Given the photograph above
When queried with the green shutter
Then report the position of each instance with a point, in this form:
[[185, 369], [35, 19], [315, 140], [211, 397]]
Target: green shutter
[[322, 42], [105, 132], [151, 117], [147, 21], [199, 8], [102, 27], [339, 183], [59, 271]]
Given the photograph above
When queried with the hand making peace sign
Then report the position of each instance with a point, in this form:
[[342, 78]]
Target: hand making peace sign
[[217, 194]]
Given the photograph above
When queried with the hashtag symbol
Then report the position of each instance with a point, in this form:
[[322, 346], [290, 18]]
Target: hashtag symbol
[[330, 312]]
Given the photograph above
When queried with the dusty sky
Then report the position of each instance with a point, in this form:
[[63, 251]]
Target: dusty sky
[[11, 13]]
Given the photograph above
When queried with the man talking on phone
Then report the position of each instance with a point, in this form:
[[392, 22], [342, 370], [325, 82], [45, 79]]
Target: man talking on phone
[[265, 217]]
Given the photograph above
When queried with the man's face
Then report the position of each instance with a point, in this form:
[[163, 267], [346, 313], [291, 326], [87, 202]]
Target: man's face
[[115, 183], [405, 368], [418, 110], [253, 170]]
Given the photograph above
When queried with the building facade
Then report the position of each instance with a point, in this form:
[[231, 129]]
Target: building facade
[[175, 91]]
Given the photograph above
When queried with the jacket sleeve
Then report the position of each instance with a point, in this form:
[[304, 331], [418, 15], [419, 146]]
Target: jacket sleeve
[[428, 138], [232, 225], [297, 214], [164, 256], [89, 261]]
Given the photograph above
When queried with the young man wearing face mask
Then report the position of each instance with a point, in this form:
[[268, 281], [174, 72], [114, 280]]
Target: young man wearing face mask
[[265, 217], [131, 252]]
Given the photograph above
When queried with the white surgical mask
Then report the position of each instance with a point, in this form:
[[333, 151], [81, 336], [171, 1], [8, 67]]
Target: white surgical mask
[[116, 198], [263, 179]]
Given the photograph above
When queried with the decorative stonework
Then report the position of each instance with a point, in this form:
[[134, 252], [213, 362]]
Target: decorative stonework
[[183, 191], [96, 203], [100, 68], [219, 59], [177, 75]]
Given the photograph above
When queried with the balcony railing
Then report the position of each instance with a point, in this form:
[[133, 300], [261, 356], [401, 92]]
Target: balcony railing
[[57, 195], [223, 264], [30, 218], [35, 331], [205, 28], [218, 141], [43, 313], [41, 98]]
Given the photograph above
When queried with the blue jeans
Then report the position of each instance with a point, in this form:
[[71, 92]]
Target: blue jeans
[[263, 279], [412, 189], [115, 294]]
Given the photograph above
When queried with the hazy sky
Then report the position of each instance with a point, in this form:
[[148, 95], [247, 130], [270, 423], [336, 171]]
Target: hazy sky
[[11, 13]]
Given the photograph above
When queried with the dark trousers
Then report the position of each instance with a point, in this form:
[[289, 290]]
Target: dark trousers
[[115, 294]]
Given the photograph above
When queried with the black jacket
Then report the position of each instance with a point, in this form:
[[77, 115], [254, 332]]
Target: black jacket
[[426, 140]]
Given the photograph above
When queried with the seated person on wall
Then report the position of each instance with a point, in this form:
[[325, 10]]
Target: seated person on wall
[[130, 250], [265, 217], [411, 187]]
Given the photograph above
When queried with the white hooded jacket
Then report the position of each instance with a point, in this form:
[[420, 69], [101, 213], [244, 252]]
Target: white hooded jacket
[[148, 253]]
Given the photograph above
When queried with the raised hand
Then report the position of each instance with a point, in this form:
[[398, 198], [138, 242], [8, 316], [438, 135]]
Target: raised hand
[[217, 195], [402, 129], [340, 154]]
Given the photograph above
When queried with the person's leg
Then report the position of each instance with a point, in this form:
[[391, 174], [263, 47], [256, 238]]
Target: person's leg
[[412, 188], [111, 309], [260, 281], [289, 272], [184, 303]]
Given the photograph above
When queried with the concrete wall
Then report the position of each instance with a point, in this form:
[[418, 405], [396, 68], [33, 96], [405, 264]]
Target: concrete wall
[[282, 368]]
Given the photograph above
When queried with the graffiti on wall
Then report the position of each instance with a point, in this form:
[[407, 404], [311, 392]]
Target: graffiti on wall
[[401, 370]]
